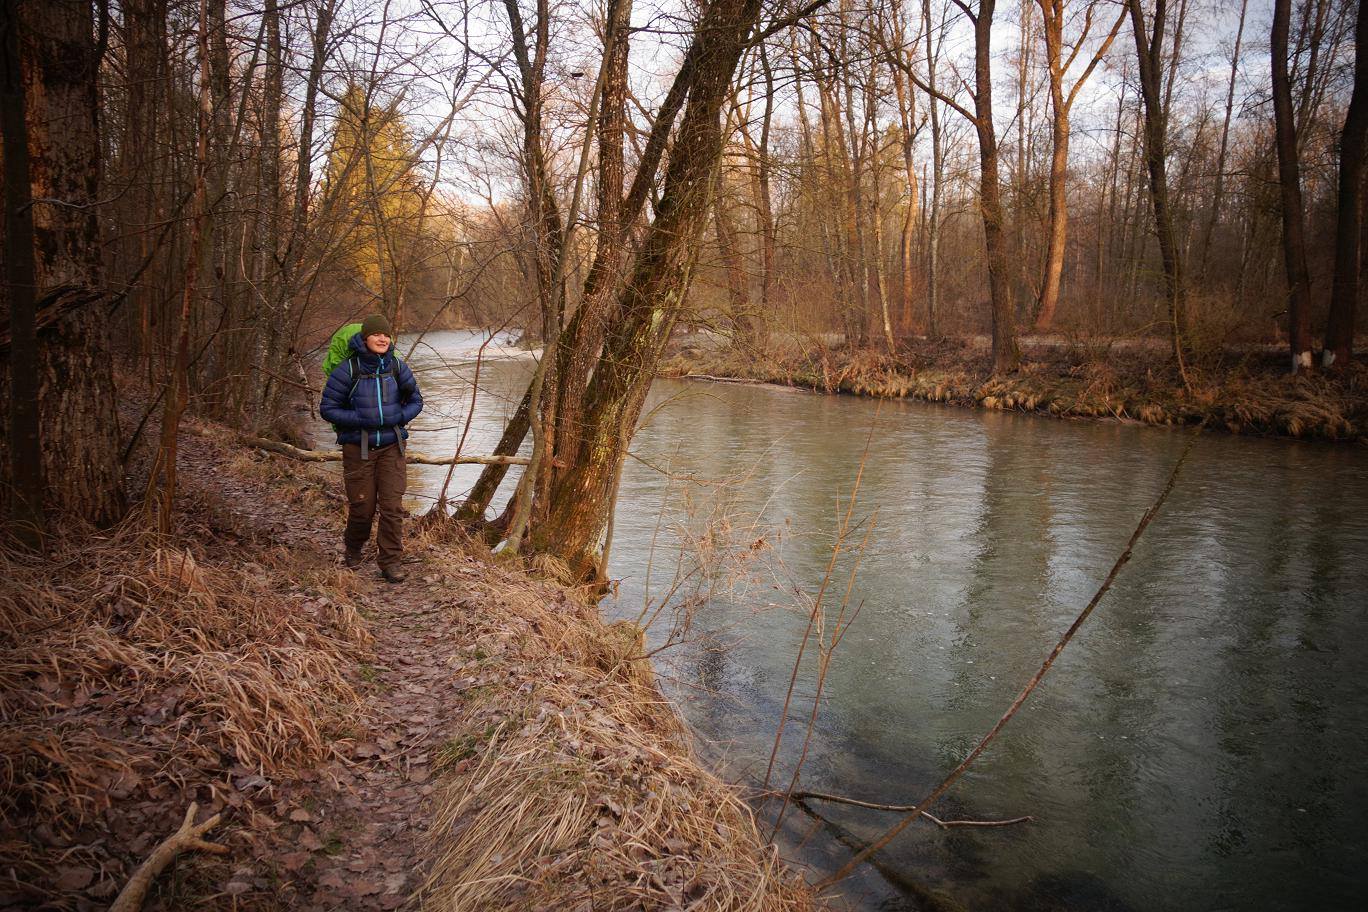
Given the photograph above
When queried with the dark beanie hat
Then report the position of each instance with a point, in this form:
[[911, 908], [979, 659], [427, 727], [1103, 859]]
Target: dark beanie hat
[[375, 323]]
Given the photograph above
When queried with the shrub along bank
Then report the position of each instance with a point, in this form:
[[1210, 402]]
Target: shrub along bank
[[1247, 394]]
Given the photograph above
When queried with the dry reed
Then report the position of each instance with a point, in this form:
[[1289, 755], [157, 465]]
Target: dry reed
[[134, 668], [571, 784]]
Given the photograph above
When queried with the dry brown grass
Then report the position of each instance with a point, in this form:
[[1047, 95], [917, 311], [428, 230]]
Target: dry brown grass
[[571, 785], [133, 669]]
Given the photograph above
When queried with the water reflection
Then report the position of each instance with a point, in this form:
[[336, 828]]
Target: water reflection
[[1199, 745]]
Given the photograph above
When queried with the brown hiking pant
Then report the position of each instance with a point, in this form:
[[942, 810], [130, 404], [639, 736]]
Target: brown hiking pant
[[379, 481]]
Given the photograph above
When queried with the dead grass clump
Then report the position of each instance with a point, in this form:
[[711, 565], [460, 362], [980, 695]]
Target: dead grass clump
[[130, 641], [572, 784]]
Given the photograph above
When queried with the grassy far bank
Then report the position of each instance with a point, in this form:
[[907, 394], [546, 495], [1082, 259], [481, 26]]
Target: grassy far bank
[[476, 738], [1245, 392]]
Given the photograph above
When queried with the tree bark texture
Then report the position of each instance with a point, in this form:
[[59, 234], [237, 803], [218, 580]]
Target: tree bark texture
[[577, 511], [59, 60]]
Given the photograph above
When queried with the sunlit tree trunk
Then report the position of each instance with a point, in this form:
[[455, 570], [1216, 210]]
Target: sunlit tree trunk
[[1061, 103], [738, 298]]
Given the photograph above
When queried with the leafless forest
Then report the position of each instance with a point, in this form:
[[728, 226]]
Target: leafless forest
[[212, 187]]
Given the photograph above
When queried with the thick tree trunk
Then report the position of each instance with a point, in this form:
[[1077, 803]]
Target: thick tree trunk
[[612, 120], [77, 412], [1344, 293], [580, 498], [1289, 181]]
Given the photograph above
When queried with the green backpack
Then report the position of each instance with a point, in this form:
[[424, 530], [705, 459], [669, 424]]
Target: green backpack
[[339, 348]]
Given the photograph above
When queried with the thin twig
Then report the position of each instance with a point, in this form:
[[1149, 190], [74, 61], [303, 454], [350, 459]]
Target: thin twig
[[803, 797]]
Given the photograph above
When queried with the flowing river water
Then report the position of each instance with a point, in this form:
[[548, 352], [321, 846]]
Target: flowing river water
[[1202, 743]]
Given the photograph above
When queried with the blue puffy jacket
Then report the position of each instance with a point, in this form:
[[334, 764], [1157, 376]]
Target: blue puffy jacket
[[375, 402]]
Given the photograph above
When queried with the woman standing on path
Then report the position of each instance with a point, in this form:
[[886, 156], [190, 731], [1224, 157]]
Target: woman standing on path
[[369, 398]]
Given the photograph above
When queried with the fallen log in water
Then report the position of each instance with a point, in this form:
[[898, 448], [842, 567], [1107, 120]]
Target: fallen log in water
[[294, 452]]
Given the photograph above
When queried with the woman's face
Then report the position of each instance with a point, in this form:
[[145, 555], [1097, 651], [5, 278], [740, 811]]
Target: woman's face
[[378, 343]]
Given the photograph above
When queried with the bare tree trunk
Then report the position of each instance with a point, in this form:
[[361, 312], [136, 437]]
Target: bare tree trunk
[[217, 267], [1053, 13], [763, 208], [738, 301], [1344, 293], [937, 178], [1289, 180], [612, 121], [907, 116], [291, 256], [77, 413], [548, 256], [21, 469], [1149, 49], [580, 497], [870, 129], [271, 190], [161, 492], [1006, 355], [1218, 192]]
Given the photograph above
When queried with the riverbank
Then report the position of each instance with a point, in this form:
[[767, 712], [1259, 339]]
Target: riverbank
[[475, 738], [1248, 393]]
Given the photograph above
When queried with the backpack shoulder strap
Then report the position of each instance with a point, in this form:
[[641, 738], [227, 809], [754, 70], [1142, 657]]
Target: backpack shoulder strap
[[353, 367]]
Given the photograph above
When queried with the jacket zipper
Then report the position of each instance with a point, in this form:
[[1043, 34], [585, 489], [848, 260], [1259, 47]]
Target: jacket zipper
[[380, 401]]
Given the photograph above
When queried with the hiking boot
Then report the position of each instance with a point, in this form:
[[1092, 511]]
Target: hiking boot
[[352, 558], [392, 574]]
